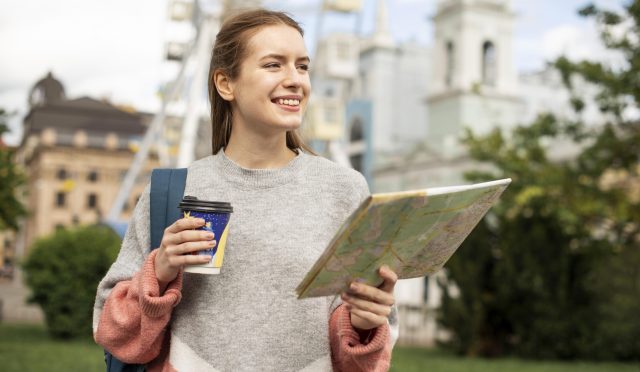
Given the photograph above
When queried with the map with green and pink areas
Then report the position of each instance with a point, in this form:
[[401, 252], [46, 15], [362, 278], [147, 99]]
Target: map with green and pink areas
[[413, 232]]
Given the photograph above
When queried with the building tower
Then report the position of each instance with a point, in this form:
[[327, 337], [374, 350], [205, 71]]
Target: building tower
[[377, 56], [474, 83]]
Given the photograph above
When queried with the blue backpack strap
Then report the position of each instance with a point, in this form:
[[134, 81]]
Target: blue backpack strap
[[167, 190], [115, 365]]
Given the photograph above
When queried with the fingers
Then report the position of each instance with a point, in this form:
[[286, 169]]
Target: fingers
[[188, 259], [390, 279], [186, 236], [370, 293], [371, 320], [367, 306], [175, 234], [371, 306], [185, 224], [190, 247]]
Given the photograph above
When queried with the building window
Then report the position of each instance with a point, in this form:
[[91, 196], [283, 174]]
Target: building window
[[92, 201], [64, 138], [425, 292], [61, 199], [343, 51], [92, 176], [489, 70], [450, 63], [62, 174], [59, 227], [357, 130], [95, 140]]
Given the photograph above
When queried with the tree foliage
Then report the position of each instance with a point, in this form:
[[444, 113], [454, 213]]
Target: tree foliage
[[11, 179], [554, 271], [63, 271]]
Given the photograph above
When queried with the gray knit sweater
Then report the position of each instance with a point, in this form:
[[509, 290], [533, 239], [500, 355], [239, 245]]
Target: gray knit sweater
[[248, 317]]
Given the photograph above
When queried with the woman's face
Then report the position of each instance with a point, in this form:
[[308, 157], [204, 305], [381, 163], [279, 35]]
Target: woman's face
[[270, 94]]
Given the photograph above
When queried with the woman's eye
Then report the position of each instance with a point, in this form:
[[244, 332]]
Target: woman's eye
[[272, 65], [304, 67]]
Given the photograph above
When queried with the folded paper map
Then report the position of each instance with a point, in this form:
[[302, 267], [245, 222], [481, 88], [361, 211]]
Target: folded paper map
[[413, 232]]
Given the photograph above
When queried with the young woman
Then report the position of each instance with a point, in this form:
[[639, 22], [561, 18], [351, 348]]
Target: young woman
[[287, 205]]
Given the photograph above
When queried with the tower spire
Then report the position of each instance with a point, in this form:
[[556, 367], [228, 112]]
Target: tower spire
[[381, 35]]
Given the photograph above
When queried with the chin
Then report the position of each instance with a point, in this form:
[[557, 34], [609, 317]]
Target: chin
[[289, 125]]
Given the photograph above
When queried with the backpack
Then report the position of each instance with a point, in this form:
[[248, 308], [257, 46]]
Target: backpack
[[167, 190]]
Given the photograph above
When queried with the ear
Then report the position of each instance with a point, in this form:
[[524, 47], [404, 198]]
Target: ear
[[223, 85]]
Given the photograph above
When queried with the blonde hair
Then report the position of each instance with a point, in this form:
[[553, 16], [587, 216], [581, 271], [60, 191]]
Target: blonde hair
[[228, 53]]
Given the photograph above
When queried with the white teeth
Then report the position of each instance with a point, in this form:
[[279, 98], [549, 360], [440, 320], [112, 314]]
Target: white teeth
[[289, 102]]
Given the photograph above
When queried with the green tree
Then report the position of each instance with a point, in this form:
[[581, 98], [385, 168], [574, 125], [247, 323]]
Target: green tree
[[554, 271], [63, 272], [11, 179]]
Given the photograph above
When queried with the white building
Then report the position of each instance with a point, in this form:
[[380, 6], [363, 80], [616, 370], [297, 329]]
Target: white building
[[407, 105]]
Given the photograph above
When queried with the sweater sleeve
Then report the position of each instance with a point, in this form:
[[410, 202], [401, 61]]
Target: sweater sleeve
[[348, 354], [133, 252], [135, 316]]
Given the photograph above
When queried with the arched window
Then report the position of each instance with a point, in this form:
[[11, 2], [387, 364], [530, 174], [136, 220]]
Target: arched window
[[489, 70], [450, 63], [357, 131], [356, 134]]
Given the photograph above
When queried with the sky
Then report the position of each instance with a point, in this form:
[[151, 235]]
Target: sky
[[115, 49]]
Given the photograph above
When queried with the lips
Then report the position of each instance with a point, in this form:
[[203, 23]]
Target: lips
[[288, 108], [288, 103]]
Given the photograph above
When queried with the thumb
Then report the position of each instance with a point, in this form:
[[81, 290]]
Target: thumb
[[390, 279]]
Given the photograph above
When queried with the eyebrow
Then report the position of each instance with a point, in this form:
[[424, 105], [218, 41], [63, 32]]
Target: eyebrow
[[280, 57]]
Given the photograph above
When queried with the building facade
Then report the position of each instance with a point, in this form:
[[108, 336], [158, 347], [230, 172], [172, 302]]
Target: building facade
[[75, 153]]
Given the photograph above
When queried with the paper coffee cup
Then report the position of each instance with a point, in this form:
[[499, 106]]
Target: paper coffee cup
[[216, 216]]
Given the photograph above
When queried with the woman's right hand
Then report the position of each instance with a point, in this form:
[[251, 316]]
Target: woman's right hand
[[178, 242]]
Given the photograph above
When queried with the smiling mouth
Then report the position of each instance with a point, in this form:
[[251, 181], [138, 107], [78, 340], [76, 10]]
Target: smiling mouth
[[286, 102]]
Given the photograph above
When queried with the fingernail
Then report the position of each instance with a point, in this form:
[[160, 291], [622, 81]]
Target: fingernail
[[353, 286]]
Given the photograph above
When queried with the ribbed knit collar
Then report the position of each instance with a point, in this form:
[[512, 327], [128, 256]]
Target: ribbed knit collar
[[257, 178]]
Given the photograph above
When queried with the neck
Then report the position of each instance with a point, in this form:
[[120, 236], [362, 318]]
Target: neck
[[252, 151]]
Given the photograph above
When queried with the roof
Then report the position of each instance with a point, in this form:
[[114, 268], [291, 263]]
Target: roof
[[87, 114], [50, 89]]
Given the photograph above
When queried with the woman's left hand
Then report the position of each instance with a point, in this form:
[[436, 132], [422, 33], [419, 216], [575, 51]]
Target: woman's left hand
[[370, 306]]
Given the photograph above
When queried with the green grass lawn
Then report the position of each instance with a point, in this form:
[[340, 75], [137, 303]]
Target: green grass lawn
[[25, 348], [413, 360], [29, 348]]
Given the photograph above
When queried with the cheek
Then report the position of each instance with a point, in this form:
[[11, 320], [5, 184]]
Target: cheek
[[306, 85]]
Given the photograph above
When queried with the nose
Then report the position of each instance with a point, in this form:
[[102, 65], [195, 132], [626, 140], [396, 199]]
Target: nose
[[293, 78]]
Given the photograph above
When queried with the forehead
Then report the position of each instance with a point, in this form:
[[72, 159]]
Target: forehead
[[280, 39]]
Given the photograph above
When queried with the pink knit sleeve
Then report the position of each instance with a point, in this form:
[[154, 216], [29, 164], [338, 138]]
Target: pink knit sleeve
[[348, 354], [134, 317]]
